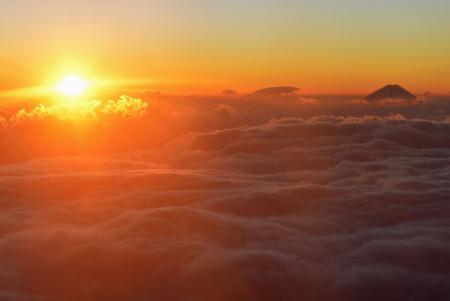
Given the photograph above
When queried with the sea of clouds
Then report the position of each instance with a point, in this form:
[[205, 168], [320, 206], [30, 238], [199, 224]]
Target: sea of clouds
[[226, 198]]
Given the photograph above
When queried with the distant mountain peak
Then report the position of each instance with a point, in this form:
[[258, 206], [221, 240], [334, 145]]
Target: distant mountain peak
[[391, 92], [275, 91], [229, 92]]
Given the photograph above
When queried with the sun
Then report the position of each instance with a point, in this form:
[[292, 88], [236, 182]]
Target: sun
[[72, 86]]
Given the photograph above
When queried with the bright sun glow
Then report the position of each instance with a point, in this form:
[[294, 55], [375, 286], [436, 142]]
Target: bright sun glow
[[72, 86]]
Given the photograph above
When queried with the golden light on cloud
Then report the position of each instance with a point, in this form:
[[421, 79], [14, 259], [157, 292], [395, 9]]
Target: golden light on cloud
[[72, 86]]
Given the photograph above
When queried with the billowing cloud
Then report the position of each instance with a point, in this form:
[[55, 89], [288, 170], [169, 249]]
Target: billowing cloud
[[61, 112], [125, 107], [240, 202], [399, 101]]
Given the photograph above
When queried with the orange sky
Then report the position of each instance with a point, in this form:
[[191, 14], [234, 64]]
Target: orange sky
[[205, 46]]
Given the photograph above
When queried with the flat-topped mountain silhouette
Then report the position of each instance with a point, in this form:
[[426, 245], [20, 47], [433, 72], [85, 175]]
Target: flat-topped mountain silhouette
[[391, 92], [276, 91]]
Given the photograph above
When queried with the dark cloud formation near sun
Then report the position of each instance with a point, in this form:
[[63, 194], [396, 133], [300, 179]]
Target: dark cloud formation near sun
[[240, 199]]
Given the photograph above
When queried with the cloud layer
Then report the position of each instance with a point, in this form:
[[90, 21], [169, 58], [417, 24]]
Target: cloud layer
[[235, 205], [125, 106]]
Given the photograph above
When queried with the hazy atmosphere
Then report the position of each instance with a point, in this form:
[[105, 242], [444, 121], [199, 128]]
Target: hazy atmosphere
[[239, 150], [202, 45]]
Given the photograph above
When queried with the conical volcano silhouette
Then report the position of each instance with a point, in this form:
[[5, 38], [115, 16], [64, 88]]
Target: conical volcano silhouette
[[390, 92]]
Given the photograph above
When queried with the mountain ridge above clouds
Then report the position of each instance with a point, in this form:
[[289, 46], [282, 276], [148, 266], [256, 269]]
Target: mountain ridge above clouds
[[276, 91], [391, 92]]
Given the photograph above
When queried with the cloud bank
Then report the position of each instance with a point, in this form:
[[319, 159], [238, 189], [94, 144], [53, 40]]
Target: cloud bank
[[241, 202], [125, 106]]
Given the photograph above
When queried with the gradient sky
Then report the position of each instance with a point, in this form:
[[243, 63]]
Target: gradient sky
[[323, 46]]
